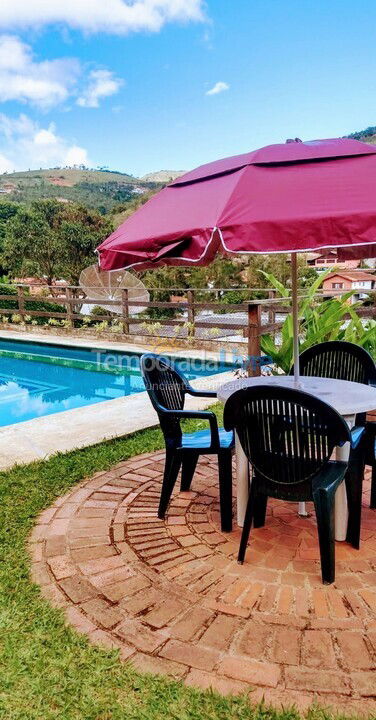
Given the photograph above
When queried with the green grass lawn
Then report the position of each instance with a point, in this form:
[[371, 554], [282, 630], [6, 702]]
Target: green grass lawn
[[47, 670]]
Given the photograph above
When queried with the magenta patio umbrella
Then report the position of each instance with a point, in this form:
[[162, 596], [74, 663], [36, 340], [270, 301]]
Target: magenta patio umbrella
[[287, 198]]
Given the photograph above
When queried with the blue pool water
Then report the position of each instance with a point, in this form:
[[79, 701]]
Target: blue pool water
[[40, 379]]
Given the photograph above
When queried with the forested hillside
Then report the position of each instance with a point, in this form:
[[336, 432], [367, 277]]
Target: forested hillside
[[368, 135], [99, 189], [105, 190]]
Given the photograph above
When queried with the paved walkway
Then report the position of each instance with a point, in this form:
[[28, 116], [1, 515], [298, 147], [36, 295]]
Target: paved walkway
[[171, 596]]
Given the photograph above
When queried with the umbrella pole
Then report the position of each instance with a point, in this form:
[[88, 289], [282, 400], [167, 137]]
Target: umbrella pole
[[295, 318], [302, 511]]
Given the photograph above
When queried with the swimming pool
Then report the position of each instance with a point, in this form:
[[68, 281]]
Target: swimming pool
[[38, 379]]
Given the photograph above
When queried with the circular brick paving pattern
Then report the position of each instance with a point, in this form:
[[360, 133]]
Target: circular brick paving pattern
[[171, 596]]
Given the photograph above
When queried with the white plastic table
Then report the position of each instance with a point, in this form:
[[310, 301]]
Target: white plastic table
[[348, 398]]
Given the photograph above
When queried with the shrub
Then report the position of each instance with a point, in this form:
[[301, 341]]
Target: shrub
[[161, 313], [101, 326], [98, 310], [31, 305], [320, 321]]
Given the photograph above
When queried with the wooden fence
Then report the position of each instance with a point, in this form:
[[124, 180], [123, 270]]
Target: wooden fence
[[197, 319]]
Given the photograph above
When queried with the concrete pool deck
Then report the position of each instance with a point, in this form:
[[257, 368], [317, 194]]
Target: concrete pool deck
[[42, 437]]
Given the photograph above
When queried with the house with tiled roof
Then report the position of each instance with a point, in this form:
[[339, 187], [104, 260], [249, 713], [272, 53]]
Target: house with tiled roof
[[329, 258], [340, 282]]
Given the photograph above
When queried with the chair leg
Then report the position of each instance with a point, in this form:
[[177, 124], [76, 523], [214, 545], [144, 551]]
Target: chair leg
[[324, 506], [171, 472], [354, 488], [259, 513], [189, 463], [373, 486], [247, 526], [225, 489]]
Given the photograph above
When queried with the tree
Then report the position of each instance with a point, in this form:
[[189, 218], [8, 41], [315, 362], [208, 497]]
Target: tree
[[121, 211], [81, 231], [278, 265], [242, 271], [221, 273], [53, 239], [31, 242], [7, 211]]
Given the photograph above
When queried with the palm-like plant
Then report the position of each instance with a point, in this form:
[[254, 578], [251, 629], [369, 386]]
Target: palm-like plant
[[320, 321]]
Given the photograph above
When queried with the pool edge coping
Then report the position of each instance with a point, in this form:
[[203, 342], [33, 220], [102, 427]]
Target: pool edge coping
[[40, 438], [123, 347]]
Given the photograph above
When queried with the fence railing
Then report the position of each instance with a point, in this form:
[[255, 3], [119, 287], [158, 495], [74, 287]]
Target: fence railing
[[188, 315]]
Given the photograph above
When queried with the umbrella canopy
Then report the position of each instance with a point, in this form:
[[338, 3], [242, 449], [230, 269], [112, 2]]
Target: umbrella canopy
[[293, 197]]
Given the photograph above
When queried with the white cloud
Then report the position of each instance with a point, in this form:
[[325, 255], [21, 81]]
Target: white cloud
[[24, 144], [23, 79], [219, 87], [48, 83], [5, 164], [111, 16], [75, 155], [102, 83]]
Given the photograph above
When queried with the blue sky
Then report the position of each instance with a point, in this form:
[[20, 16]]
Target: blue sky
[[124, 83]]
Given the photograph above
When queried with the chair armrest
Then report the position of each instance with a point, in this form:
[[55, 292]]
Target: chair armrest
[[200, 393], [198, 415], [357, 433]]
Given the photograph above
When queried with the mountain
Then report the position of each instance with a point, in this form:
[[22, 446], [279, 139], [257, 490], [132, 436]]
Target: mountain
[[162, 176], [368, 135], [102, 189]]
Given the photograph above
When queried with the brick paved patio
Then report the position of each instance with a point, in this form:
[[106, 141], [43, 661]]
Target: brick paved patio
[[171, 596]]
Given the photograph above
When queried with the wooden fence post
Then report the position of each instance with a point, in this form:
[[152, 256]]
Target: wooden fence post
[[254, 333], [69, 306], [125, 310], [21, 301], [191, 313]]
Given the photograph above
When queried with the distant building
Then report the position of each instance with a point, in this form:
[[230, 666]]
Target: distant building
[[7, 188], [329, 258], [178, 298], [338, 283], [139, 191], [38, 285]]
